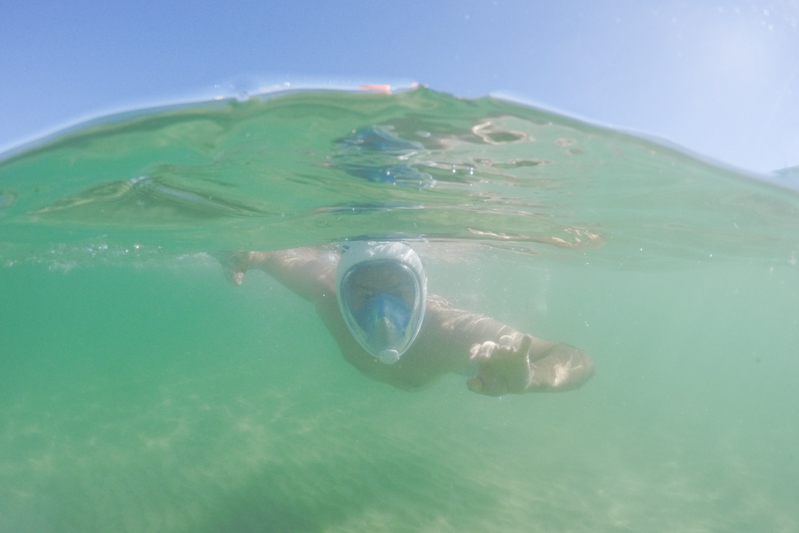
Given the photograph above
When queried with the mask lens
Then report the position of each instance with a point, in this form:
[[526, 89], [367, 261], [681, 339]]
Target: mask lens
[[381, 300], [383, 310]]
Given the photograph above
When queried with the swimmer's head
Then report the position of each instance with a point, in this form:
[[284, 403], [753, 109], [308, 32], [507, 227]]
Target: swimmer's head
[[382, 290]]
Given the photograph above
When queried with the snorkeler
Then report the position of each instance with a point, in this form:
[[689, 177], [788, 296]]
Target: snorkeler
[[373, 299]]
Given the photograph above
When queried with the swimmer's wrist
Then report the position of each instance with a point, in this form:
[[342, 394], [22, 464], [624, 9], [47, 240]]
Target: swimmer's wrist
[[534, 379], [258, 259]]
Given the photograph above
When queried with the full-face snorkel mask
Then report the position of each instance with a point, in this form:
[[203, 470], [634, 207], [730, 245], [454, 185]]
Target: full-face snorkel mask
[[381, 289]]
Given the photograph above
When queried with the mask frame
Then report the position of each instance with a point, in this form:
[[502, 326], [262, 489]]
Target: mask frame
[[387, 338]]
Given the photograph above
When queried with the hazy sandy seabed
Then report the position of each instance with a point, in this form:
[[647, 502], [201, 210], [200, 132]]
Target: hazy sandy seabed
[[197, 406]]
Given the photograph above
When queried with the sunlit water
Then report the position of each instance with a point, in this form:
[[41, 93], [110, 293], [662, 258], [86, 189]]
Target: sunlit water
[[140, 391]]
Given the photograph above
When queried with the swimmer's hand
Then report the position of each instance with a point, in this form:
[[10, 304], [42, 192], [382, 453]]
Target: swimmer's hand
[[235, 264], [503, 368], [526, 364]]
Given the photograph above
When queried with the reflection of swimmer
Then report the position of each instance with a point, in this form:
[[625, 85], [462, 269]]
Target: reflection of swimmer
[[373, 299]]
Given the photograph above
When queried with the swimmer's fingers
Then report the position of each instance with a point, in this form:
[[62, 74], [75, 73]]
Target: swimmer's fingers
[[502, 367], [234, 264], [506, 349], [483, 383], [236, 277], [483, 352], [524, 346]]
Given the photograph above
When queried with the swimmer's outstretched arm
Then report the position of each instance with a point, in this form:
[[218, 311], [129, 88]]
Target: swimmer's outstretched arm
[[508, 361], [308, 272]]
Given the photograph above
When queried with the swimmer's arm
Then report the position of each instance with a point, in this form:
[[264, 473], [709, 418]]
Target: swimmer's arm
[[522, 363], [308, 272], [509, 361]]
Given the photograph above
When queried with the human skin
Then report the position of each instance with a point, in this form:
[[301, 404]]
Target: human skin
[[451, 339]]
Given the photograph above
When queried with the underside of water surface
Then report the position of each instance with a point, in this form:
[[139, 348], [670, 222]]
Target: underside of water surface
[[140, 391], [308, 168]]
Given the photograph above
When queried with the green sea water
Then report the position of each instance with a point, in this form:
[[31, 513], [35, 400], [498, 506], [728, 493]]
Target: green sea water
[[140, 391]]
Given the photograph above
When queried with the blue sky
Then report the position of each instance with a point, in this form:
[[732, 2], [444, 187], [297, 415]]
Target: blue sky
[[720, 78]]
